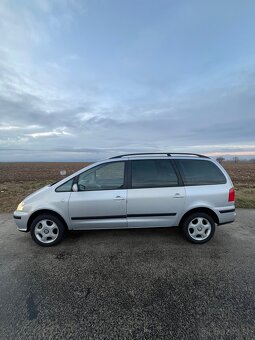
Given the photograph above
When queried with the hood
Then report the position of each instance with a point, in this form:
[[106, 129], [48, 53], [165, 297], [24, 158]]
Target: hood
[[36, 193]]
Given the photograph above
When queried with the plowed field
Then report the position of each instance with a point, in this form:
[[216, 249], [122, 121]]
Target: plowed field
[[17, 180]]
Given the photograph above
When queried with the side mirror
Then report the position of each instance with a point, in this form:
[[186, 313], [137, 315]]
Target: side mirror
[[75, 187]]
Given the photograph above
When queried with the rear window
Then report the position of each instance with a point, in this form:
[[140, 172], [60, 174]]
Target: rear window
[[200, 172], [153, 174]]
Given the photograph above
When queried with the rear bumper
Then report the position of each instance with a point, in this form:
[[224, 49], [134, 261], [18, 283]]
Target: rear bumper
[[21, 219], [225, 223], [226, 214]]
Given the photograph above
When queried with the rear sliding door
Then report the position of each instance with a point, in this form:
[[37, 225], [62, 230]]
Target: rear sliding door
[[155, 197]]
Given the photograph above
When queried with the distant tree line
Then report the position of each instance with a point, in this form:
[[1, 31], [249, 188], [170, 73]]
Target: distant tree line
[[235, 160]]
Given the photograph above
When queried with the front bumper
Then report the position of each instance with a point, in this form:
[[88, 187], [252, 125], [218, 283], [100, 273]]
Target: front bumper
[[21, 219]]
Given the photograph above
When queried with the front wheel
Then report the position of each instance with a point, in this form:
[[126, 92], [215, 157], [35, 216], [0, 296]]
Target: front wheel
[[199, 227], [47, 230]]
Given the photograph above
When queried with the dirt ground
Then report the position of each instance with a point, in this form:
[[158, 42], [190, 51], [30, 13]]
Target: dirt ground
[[17, 180]]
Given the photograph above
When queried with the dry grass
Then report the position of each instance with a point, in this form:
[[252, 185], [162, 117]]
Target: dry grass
[[17, 180], [245, 198], [243, 177]]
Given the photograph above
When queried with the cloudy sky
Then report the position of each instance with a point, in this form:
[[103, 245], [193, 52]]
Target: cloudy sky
[[84, 80]]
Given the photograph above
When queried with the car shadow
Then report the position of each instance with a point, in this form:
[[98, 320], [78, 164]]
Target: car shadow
[[171, 233]]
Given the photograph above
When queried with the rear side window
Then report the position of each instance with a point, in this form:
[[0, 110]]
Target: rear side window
[[153, 174], [200, 172]]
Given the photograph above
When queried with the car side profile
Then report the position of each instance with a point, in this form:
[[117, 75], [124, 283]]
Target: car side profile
[[142, 190]]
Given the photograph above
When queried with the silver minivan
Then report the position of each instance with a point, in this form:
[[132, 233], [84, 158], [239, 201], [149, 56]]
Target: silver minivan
[[141, 190]]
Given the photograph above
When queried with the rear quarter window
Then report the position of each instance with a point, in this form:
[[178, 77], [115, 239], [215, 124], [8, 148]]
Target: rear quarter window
[[200, 172]]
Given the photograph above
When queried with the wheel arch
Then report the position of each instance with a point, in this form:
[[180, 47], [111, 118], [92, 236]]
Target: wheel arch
[[200, 209], [45, 211]]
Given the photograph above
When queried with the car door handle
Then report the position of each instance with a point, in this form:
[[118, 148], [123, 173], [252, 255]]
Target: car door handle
[[178, 195], [120, 198]]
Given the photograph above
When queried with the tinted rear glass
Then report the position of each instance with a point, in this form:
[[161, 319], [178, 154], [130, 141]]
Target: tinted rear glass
[[200, 172], [153, 174]]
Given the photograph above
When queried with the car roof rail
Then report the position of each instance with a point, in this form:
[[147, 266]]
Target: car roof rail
[[169, 154]]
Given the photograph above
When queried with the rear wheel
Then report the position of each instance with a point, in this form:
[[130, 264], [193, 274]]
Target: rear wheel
[[199, 227], [47, 230]]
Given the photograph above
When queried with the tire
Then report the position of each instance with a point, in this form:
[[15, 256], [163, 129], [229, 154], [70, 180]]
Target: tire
[[198, 227], [47, 230]]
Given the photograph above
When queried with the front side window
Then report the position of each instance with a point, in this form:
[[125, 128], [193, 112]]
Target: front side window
[[67, 186], [104, 177], [153, 173], [200, 172]]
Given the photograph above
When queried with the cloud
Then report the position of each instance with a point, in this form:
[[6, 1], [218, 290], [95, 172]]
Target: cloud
[[54, 133], [6, 127], [73, 87], [247, 154], [177, 125]]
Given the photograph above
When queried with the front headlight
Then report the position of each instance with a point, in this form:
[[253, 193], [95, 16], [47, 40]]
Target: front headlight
[[20, 206]]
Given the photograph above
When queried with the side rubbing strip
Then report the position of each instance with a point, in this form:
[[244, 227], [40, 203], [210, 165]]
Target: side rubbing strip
[[150, 215], [227, 211], [119, 216], [97, 217]]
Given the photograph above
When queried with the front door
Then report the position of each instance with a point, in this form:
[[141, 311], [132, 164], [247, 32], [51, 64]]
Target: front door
[[100, 201], [155, 198]]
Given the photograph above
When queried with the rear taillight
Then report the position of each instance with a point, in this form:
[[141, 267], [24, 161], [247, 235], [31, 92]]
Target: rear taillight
[[231, 195]]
